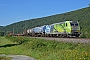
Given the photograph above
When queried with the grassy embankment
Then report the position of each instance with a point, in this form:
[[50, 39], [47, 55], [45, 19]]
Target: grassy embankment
[[4, 58], [4, 42], [44, 50]]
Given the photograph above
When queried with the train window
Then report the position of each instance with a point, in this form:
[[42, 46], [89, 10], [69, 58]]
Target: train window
[[66, 24], [72, 24], [76, 24]]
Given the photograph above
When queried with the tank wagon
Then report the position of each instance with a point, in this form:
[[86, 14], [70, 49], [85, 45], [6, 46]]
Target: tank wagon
[[61, 29], [37, 31]]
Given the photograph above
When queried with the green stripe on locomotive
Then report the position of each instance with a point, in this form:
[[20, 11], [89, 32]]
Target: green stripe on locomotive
[[59, 28]]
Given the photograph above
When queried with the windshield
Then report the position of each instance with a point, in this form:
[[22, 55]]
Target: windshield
[[74, 24]]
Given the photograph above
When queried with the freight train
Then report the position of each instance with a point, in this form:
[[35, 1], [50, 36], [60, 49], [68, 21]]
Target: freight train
[[61, 29]]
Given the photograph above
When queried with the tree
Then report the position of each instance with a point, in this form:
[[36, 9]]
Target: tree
[[1, 33]]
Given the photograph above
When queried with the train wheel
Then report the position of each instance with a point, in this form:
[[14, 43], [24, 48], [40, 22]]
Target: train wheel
[[77, 35]]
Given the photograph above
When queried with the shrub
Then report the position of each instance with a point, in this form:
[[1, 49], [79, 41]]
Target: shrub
[[17, 39], [4, 58]]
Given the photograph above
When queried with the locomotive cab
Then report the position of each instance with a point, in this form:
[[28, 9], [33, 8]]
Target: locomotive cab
[[72, 28], [75, 29]]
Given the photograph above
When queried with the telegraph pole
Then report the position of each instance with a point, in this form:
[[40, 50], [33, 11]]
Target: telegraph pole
[[13, 31], [25, 25]]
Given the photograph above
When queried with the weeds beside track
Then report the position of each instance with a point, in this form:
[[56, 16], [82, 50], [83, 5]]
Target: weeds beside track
[[40, 49]]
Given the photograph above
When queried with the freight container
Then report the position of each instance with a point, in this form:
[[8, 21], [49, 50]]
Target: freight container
[[37, 30]]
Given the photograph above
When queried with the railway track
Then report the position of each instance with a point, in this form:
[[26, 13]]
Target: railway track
[[74, 40]]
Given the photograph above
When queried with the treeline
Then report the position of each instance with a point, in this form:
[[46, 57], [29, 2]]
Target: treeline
[[81, 15], [2, 33]]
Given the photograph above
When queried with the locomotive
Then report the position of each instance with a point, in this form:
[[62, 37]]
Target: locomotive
[[61, 29]]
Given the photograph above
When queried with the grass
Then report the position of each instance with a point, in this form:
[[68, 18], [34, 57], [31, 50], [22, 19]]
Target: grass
[[4, 58], [44, 50]]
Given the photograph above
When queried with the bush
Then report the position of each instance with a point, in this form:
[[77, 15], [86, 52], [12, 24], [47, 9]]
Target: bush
[[17, 39], [2, 33], [4, 58]]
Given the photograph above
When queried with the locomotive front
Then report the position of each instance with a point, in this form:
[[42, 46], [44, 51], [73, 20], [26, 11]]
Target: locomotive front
[[75, 29]]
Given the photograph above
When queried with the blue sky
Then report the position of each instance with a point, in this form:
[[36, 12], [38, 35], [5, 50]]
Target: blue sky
[[12, 11]]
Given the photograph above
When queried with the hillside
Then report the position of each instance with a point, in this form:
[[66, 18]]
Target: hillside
[[1, 27], [81, 15]]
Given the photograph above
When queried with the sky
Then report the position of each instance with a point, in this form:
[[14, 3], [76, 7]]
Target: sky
[[12, 11]]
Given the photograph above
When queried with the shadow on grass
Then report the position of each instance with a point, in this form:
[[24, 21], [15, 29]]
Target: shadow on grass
[[9, 45]]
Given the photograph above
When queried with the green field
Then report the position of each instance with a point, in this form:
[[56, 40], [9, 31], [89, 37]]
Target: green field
[[4, 58], [44, 50]]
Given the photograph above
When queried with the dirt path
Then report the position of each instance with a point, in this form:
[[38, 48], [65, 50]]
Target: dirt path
[[19, 57]]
